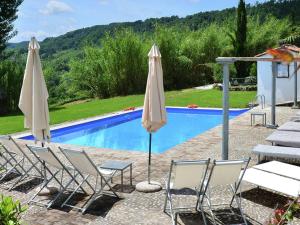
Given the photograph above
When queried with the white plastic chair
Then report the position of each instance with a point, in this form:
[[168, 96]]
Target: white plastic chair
[[182, 175], [225, 173], [86, 168]]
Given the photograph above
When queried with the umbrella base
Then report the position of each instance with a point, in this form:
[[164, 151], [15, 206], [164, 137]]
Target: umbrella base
[[148, 188]]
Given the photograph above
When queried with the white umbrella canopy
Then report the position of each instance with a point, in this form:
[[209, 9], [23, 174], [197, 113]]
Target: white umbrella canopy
[[154, 111], [33, 100]]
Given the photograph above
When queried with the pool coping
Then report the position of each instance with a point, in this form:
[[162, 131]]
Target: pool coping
[[91, 119]]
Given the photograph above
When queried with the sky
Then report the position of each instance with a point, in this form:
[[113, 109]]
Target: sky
[[51, 18]]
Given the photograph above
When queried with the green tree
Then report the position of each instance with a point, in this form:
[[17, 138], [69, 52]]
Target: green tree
[[11, 74], [125, 62], [87, 76], [8, 14], [168, 41], [262, 36], [240, 41]]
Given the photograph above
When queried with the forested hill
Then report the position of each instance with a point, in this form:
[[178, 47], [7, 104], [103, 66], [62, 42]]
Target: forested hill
[[91, 35]]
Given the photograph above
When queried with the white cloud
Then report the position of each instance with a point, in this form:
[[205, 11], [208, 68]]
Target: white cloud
[[56, 7]]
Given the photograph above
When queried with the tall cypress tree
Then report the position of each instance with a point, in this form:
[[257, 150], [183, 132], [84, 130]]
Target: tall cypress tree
[[241, 38], [8, 14]]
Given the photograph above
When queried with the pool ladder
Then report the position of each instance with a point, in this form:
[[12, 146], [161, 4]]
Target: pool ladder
[[262, 101]]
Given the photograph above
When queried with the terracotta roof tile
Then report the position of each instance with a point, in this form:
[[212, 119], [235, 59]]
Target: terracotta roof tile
[[292, 48]]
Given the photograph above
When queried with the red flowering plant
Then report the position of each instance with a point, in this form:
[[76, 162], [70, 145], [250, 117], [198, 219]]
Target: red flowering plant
[[286, 214]]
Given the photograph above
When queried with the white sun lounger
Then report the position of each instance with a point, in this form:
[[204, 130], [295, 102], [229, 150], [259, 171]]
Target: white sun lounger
[[276, 176], [17, 160], [285, 138], [182, 175], [225, 173], [86, 168], [290, 126], [276, 151], [295, 119], [55, 170]]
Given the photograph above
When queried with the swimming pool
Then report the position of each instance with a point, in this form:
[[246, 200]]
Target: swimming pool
[[125, 132]]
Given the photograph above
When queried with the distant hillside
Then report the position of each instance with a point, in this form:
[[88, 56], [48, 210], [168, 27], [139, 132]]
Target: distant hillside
[[76, 39]]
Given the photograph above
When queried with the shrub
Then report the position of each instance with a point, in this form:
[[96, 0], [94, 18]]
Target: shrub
[[124, 62], [285, 215], [10, 211], [87, 75], [250, 80], [243, 88], [11, 75]]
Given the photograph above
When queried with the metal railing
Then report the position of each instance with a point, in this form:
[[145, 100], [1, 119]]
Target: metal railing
[[261, 102]]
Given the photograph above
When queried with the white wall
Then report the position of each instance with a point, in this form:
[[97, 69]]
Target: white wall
[[284, 86]]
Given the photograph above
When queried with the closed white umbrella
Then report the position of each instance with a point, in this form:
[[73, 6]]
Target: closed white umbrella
[[34, 95], [33, 100], [154, 112]]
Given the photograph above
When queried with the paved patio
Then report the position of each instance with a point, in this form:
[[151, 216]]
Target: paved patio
[[139, 208]]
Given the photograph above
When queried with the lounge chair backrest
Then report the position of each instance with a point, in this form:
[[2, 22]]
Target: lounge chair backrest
[[188, 174], [10, 145], [47, 155], [226, 172], [81, 161]]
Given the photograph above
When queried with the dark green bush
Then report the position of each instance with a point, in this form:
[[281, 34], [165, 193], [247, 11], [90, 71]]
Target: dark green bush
[[11, 76]]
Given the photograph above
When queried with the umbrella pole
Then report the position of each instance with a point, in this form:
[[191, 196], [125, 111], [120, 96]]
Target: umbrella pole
[[148, 185], [44, 164], [149, 158], [48, 191]]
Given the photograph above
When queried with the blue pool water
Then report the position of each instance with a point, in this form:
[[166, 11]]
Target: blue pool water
[[125, 131]]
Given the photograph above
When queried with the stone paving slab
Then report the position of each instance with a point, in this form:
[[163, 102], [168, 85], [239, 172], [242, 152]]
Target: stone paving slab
[[139, 208]]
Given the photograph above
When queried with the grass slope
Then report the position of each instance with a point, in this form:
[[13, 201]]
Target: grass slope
[[203, 98]]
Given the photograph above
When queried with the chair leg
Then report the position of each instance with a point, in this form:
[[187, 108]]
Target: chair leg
[[166, 199], [202, 213], [175, 218], [64, 187], [210, 207], [16, 182], [47, 181], [7, 161], [21, 178], [90, 201], [11, 169], [73, 176], [238, 202], [16, 163], [172, 213], [75, 190], [111, 189]]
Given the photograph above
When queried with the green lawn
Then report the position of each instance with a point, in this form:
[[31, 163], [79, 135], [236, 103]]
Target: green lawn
[[69, 112]]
